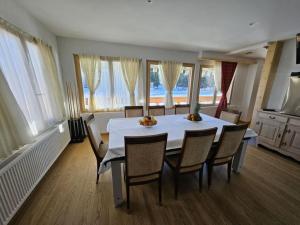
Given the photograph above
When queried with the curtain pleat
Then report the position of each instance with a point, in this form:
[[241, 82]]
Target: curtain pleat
[[15, 131], [130, 71], [169, 77], [52, 80], [218, 75], [91, 67]]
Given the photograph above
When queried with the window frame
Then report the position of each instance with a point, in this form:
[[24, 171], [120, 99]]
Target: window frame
[[156, 62], [215, 91]]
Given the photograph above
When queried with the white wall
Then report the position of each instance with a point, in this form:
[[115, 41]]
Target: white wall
[[287, 64], [16, 15], [245, 88]]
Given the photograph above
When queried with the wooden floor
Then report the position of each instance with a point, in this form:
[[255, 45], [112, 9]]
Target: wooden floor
[[267, 191]]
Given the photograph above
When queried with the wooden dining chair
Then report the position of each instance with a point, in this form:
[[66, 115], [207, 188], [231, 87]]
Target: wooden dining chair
[[133, 111], [182, 109], [94, 135], [158, 110], [193, 155], [229, 142], [230, 116], [144, 158]]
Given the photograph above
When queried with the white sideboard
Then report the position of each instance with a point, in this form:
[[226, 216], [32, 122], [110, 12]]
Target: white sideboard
[[279, 132]]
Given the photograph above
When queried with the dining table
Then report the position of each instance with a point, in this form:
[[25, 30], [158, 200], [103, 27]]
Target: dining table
[[175, 126]]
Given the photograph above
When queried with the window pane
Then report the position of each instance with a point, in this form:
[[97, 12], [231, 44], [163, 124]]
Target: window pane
[[157, 90], [207, 86], [182, 88], [181, 91], [112, 93]]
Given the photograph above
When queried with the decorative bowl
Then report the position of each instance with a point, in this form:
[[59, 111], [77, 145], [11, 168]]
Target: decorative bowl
[[148, 121], [194, 117]]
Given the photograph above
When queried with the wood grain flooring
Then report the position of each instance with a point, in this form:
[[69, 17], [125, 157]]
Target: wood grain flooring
[[267, 191]]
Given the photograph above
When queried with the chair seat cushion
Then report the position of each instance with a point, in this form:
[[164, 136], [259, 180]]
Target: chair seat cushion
[[144, 178], [101, 151]]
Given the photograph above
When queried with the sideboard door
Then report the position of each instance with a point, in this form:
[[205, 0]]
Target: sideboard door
[[292, 140], [270, 132]]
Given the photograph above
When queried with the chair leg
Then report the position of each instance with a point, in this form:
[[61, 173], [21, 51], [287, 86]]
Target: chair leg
[[209, 174], [200, 178], [159, 191], [229, 171], [176, 184], [128, 196], [98, 166]]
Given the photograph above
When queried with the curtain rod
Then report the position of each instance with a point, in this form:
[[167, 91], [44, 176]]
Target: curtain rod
[[19, 32]]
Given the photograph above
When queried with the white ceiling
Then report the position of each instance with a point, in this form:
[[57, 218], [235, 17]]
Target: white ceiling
[[221, 25]]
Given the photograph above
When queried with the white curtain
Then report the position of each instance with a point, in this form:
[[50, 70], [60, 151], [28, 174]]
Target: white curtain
[[51, 77], [120, 93], [46, 76], [31, 98], [131, 70], [15, 131], [218, 75], [19, 76], [169, 76], [91, 67]]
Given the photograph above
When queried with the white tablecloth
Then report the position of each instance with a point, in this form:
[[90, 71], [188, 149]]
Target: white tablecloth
[[174, 125]]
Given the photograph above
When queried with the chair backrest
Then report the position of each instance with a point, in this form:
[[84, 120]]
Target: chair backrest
[[133, 111], [93, 133], [182, 109], [159, 110], [144, 155], [195, 148], [230, 116], [230, 140]]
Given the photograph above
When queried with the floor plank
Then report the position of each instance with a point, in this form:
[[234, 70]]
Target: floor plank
[[267, 191]]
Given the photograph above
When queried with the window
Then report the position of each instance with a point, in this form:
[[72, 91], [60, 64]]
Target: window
[[112, 93], [45, 90], [209, 93], [24, 69], [156, 91]]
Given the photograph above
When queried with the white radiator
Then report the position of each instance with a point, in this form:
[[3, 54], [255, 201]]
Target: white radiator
[[20, 176]]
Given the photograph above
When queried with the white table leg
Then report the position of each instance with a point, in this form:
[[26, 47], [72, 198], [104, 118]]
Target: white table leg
[[117, 182], [238, 160]]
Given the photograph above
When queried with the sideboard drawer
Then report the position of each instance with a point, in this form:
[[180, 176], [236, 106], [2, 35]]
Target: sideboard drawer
[[295, 122], [270, 116]]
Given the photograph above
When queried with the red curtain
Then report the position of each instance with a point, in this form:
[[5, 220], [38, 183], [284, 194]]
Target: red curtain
[[227, 73]]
